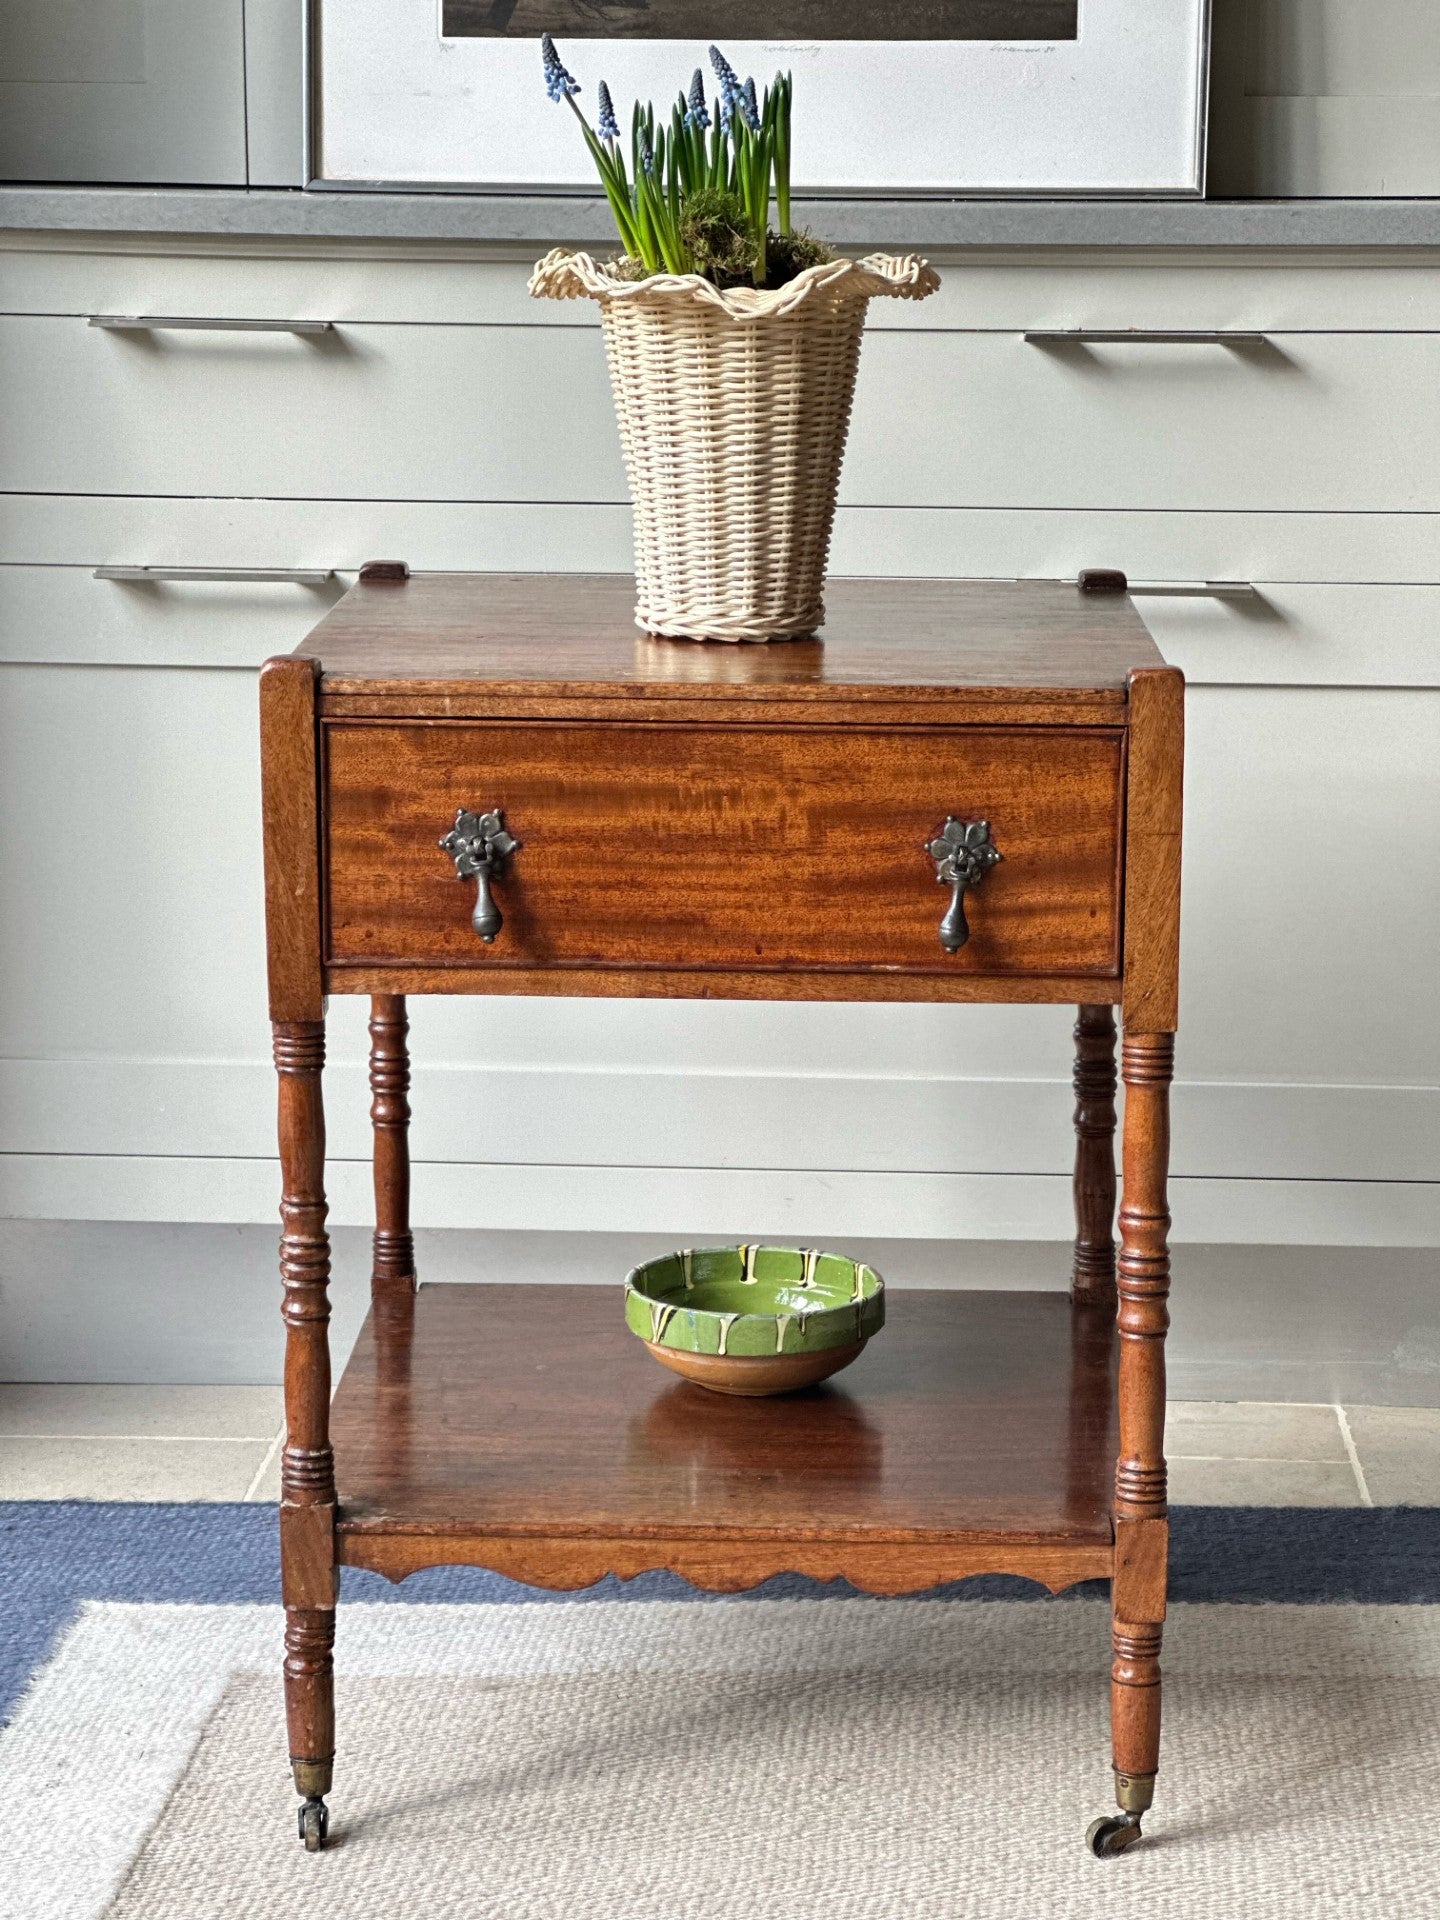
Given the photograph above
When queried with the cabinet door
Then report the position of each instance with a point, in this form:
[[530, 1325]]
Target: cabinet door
[[134, 90]]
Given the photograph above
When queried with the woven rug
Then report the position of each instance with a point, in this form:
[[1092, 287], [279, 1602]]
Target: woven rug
[[658, 1759]]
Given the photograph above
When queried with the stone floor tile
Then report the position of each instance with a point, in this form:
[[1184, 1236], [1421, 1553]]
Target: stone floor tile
[[1399, 1451], [1253, 1430], [34, 1468], [1263, 1483], [141, 1412]]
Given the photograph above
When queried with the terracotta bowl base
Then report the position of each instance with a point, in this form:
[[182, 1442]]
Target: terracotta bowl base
[[755, 1374]]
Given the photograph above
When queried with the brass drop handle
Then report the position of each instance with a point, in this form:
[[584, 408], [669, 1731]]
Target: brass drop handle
[[479, 845], [963, 855]]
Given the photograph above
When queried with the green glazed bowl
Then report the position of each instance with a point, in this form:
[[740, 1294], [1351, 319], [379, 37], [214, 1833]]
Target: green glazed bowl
[[754, 1320]]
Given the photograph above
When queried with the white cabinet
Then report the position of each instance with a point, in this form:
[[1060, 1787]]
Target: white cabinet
[[451, 422]]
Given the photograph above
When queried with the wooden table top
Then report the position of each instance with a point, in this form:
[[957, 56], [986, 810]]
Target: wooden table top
[[567, 634]]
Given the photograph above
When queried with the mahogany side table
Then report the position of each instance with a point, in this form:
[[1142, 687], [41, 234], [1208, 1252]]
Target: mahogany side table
[[494, 784]]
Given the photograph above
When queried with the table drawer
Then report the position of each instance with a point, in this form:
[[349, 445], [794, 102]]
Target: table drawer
[[691, 846]]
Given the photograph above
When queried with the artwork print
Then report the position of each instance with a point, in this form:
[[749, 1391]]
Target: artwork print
[[768, 20], [1055, 98]]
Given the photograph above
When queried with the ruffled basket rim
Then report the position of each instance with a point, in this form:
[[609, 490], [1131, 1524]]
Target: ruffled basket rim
[[563, 275]]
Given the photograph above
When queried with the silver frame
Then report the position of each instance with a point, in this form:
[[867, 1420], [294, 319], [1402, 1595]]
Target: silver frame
[[316, 181]]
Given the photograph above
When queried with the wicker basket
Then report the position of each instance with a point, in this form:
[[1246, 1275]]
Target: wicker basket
[[733, 413]]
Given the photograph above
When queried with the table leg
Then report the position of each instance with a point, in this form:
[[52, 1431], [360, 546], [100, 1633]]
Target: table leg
[[392, 1278], [307, 1498], [1141, 1526], [1092, 1277]]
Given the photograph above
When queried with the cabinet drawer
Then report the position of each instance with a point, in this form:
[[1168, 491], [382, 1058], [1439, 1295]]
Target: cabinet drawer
[[686, 846], [65, 614], [948, 420], [357, 412], [1328, 422]]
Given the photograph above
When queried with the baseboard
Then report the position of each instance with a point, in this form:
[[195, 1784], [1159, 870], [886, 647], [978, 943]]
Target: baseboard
[[110, 1301], [915, 1114], [717, 1201]]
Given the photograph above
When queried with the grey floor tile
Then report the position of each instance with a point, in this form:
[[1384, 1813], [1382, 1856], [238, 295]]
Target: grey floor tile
[[266, 1484], [1399, 1450], [1253, 1430], [142, 1412], [1263, 1483], [33, 1468]]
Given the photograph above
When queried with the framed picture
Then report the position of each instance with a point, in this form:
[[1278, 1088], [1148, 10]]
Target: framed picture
[[892, 97]]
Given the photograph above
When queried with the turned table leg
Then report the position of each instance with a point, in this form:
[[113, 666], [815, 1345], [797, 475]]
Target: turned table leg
[[392, 1278], [1141, 1527], [1092, 1278], [307, 1509]]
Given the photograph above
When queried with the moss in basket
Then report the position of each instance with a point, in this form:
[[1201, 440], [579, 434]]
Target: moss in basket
[[727, 258], [791, 253], [695, 196], [718, 238]]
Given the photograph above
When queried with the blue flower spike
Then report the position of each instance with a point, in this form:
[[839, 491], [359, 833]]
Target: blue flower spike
[[750, 106], [729, 86], [647, 154], [698, 114], [608, 129], [559, 81]]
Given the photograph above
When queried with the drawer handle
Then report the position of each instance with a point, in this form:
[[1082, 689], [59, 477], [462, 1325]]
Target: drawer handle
[[197, 323], [963, 855], [1142, 337], [1196, 589], [479, 845], [239, 576]]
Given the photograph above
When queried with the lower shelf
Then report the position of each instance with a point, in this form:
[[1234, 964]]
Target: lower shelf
[[523, 1428]]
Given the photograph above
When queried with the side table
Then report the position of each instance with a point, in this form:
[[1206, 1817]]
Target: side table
[[494, 784]]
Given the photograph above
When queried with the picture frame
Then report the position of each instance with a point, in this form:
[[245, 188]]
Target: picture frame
[[1081, 98]]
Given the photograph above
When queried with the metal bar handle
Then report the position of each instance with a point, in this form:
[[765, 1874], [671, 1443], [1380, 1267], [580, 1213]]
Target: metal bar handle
[[1112, 580], [1145, 336], [207, 323], [290, 576], [1195, 589]]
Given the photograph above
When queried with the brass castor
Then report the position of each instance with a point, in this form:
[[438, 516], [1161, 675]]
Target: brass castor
[[1112, 1833], [314, 1823]]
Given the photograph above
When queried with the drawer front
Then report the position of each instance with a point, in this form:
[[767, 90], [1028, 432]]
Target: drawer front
[[360, 412], [1301, 422], [687, 846], [370, 411], [1305, 624], [66, 614]]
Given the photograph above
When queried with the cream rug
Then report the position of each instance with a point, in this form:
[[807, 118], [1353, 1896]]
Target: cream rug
[[812, 1760]]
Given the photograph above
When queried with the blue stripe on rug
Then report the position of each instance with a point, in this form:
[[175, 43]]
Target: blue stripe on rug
[[56, 1554]]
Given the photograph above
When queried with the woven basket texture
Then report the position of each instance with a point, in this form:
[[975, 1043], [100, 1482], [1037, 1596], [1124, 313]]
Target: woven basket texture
[[733, 410]]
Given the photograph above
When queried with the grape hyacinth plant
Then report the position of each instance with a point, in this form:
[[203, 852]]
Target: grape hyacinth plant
[[694, 196]]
